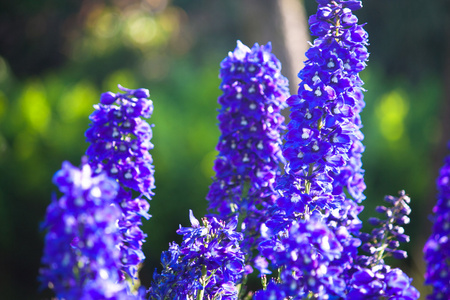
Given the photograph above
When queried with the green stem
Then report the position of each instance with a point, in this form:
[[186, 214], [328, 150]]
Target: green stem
[[307, 182], [200, 295], [203, 282]]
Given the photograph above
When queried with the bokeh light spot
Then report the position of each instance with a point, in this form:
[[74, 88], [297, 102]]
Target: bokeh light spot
[[34, 107], [141, 29], [77, 102], [391, 112]]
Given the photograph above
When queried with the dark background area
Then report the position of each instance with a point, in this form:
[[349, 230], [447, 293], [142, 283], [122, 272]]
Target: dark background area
[[57, 57]]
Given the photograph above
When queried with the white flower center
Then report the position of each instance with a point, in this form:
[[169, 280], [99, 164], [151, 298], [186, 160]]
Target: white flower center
[[330, 63], [127, 124], [335, 139], [114, 170], [316, 76], [115, 133], [315, 147], [347, 65], [318, 92], [308, 115]]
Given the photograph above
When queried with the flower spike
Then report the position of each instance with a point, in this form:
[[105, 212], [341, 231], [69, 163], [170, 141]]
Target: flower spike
[[81, 259], [254, 92], [119, 140]]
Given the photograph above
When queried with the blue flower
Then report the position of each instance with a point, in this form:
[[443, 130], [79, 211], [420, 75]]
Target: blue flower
[[388, 233], [208, 262], [254, 92], [437, 248], [303, 254], [324, 178], [119, 143], [370, 277], [323, 141], [81, 259], [381, 282]]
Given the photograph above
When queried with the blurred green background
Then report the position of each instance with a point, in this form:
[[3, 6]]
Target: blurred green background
[[57, 57]]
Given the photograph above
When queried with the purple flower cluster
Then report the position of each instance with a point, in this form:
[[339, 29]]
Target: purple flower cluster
[[381, 282], [323, 142], [302, 256], [437, 248], [120, 141], [207, 265], [254, 92], [388, 233], [324, 178], [81, 260], [371, 278]]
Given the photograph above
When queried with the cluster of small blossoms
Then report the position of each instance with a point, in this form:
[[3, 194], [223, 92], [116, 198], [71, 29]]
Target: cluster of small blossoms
[[81, 260], [208, 264], [323, 142], [334, 24], [388, 233], [372, 278], [381, 282], [302, 256], [120, 141], [323, 149], [437, 248], [254, 92]]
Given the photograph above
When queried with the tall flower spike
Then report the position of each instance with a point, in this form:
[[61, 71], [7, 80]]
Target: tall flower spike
[[120, 141], [254, 92], [207, 265], [81, 259], [371, 277], [437, 248], [323, 140], [388, 233]]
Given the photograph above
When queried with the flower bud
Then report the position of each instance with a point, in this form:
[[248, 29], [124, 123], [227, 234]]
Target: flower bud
[[107, 98]]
